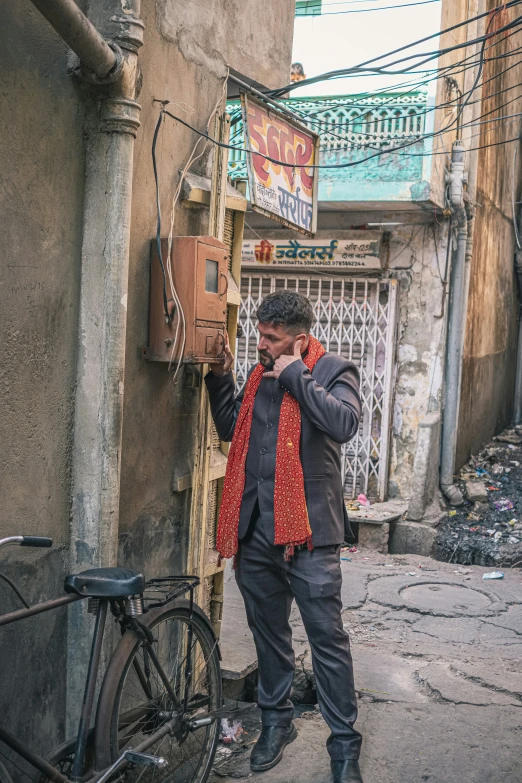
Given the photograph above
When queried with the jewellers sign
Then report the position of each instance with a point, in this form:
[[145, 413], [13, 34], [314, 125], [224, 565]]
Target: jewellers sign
[[362, 250], [286, 191]]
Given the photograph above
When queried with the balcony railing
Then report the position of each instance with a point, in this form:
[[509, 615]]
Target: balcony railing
[[350, 129]]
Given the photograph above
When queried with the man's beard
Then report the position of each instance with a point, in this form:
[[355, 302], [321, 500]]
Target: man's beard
[[266, 360]]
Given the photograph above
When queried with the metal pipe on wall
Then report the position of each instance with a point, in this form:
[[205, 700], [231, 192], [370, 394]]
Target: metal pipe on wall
[[456, 329], [517, 406], [111, 128], [79, 33], [465, 219]]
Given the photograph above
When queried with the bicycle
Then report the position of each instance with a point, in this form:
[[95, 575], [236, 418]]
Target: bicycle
[[161, 695]]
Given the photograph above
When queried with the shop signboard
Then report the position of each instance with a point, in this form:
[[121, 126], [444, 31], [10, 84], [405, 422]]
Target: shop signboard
[[350, 250], [286, 191]]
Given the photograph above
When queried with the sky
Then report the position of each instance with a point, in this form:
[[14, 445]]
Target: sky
[[339, 40]]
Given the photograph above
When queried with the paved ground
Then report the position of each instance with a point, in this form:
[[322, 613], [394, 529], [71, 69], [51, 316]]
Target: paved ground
[[437, 658]]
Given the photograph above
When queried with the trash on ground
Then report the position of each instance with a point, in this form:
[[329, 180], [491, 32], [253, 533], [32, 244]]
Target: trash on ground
[[231, 730], [452, 513], [349, 559], [494, 575], [363, 500], [353, 549], [504, 504], [463, 571]]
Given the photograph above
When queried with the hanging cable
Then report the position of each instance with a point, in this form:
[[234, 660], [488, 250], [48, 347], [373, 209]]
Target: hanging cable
[[158, 219], [345, 71]]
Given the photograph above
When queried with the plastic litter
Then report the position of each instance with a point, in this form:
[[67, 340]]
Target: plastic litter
[[349, 559], [504, 504], [494, 575], [452, 513], [463, 571], [494, 489], [512, 522], [363, 500], [231, 730], [481, 472], [353, 549]]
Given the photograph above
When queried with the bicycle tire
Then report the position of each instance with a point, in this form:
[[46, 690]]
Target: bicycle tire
[[122, 691]]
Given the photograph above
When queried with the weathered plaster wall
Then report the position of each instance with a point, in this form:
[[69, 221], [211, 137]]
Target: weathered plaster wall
[[184, 58], [491, 331], [418, 261], [41, 201], [42, 164]]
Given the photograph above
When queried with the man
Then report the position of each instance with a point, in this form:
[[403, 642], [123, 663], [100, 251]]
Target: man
[[284, 520]]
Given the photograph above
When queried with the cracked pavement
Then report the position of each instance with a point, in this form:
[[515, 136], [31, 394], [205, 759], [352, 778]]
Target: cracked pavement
[[437, 660]]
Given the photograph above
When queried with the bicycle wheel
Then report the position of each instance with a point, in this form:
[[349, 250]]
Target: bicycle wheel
[[134, 701]]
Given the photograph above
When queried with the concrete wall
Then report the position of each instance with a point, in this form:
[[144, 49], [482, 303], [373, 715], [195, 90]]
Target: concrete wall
[[418, 260], [42, 165], [491, 331], [41, 201]]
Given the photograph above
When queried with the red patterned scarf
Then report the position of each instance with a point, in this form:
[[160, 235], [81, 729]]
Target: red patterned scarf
[[292, 526]]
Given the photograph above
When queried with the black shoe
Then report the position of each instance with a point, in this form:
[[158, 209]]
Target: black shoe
[[268, 750], [346, 771]]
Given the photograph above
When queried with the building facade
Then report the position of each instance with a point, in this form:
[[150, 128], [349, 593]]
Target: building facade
[[99, 443]]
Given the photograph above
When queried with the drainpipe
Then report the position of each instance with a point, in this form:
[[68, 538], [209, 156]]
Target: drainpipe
[[94, 52], [455, 179], [517, 417], [112, 123]]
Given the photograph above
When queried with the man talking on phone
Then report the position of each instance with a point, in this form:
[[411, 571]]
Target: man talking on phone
[[283, 518]]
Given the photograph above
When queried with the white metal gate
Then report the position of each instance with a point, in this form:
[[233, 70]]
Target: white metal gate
[[355, 317]]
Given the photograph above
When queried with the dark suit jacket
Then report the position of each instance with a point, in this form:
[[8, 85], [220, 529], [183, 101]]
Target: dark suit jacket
[[330, 412]]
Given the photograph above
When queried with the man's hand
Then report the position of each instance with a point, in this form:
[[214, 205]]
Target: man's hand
[[221, 369], [284, 361]]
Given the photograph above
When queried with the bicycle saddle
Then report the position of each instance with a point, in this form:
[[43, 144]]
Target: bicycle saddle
[[105, 583]]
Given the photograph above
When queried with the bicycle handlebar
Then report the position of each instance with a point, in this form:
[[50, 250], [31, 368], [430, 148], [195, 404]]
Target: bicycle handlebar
[[38, 541], [42, 541]]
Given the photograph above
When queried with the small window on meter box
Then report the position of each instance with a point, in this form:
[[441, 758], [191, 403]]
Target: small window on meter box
[[211, 276]]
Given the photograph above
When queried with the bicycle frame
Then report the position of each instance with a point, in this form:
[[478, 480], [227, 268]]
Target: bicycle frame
[[37, 761]]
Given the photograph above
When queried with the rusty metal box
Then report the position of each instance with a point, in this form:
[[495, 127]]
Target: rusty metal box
[[199, 272]]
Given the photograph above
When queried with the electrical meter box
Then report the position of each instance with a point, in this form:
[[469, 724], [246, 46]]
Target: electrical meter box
[[200, 275]]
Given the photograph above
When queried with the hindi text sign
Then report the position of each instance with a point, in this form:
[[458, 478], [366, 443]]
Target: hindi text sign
[[286, 192], [350, 253]]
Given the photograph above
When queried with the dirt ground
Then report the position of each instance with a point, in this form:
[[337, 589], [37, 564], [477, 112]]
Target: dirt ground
[[437, 657]]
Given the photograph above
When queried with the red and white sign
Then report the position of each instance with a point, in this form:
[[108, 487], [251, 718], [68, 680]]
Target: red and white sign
[[286, 191]]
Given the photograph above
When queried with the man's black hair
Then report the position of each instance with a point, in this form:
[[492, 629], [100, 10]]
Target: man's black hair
[[289, 309]]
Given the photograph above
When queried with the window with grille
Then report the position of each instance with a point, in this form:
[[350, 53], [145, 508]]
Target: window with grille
[[308, 7], [355, 317]]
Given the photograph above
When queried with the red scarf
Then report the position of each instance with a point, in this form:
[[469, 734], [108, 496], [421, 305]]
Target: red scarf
[[291, 523]]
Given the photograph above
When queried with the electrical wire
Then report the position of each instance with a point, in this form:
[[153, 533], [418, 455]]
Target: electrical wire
[[349, 164], [181, 324], [192, 159], [517, 236], [15, 589], [158, 211], [380, 8], [346, 71]]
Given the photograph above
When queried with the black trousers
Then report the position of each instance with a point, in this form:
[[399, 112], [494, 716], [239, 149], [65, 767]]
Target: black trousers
[[269, 585]]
